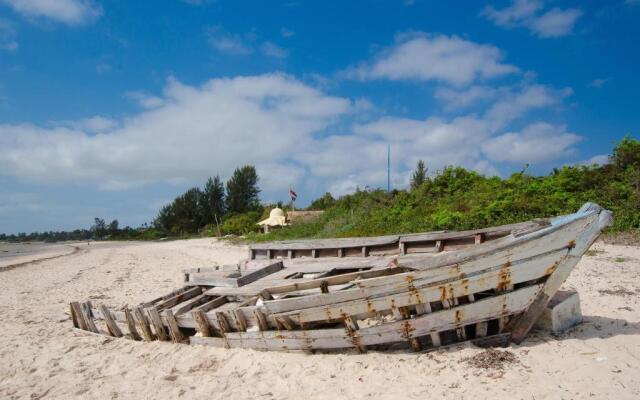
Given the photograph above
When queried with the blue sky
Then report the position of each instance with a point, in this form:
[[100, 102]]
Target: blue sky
[[112, 108]]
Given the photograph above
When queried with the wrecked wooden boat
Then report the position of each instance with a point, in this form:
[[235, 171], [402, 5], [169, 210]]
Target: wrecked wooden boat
[[421, 291]]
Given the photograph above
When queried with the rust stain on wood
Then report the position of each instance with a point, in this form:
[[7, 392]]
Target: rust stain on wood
[[504, 280]]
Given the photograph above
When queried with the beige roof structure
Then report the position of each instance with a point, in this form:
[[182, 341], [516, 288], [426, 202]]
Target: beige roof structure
[[276, 218]]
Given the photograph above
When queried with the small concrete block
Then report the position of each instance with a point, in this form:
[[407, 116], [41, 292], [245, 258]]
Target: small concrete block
[[562, 312]]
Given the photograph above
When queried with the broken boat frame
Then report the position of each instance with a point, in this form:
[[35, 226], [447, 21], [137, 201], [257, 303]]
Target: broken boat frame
[[421, 290]]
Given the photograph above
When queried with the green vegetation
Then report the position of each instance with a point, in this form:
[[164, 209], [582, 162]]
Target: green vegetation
[[211, 211], [457, 199]]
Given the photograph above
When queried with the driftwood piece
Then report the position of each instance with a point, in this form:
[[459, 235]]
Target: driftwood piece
[[112, 327], [143, 323], [77, 316], [203, 324], [88, 317], [156, 321], [174, 330], [131, 324]]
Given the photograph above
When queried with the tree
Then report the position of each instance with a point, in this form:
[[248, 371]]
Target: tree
[[188, 211], [213, 200], [627, 153], [113, 227], [99, 227], [242, 191], [419, 175], [323, 202]]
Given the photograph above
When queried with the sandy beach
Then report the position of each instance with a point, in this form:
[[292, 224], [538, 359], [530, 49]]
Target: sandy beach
[[44, 358]]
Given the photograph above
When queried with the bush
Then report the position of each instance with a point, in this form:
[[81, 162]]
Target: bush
[[241, 224]]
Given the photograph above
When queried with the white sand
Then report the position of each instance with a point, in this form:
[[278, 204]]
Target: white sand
[[42, 357]]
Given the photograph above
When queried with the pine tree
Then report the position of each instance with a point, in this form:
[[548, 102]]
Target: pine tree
[[213, 200], [419, 175], [242, 191]]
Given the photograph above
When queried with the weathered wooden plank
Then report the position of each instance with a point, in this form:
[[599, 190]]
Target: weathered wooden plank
[[351, 328], [190, 304], [164, 297], [326, 243], [449, 235], [76, 310], [178, 298], [112, 327], [263, 325], [425, 308], [376, 299], [241, 321], [131, 324], [88, 317], [331, 280], [156, 321], [143, 323], [203, 324], [456, 317], [174, 330], [390, 332], [215, 302]]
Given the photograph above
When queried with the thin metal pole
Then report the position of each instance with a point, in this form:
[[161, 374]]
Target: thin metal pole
[[388, 167]]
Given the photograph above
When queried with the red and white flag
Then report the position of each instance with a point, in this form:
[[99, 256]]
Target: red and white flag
[[293, 194]]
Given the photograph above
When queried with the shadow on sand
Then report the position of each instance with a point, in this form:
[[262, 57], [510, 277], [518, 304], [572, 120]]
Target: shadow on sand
[[592, 327]]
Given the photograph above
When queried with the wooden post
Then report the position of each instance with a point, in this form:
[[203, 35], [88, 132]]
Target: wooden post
[[156, 321], [286, 322], [241, 321], [262, 320], [324, 287], [439, 245], [112, 327], [224, 326], [174, 329], [479, 238], [131, 324], [203, 323], [76, 310], [425, 308], [86, 313], [143, 323], [365, 251], [351, 327]]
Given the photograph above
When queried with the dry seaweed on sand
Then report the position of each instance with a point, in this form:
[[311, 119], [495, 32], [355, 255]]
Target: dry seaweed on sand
[[491, 359], [617, 291]]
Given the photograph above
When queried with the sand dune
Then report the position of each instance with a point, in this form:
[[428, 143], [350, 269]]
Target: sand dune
[[42, 357]]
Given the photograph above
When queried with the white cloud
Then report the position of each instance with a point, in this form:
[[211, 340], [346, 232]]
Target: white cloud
[[538, 142], [598, 83], [449, 59], [271, 49], [229, 43], [600, 159], [145, 100], [515, 103], [7, 36], [453, 99], [528, 13], [555, 23], [197, 132], [95, 124], [71, 12]]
